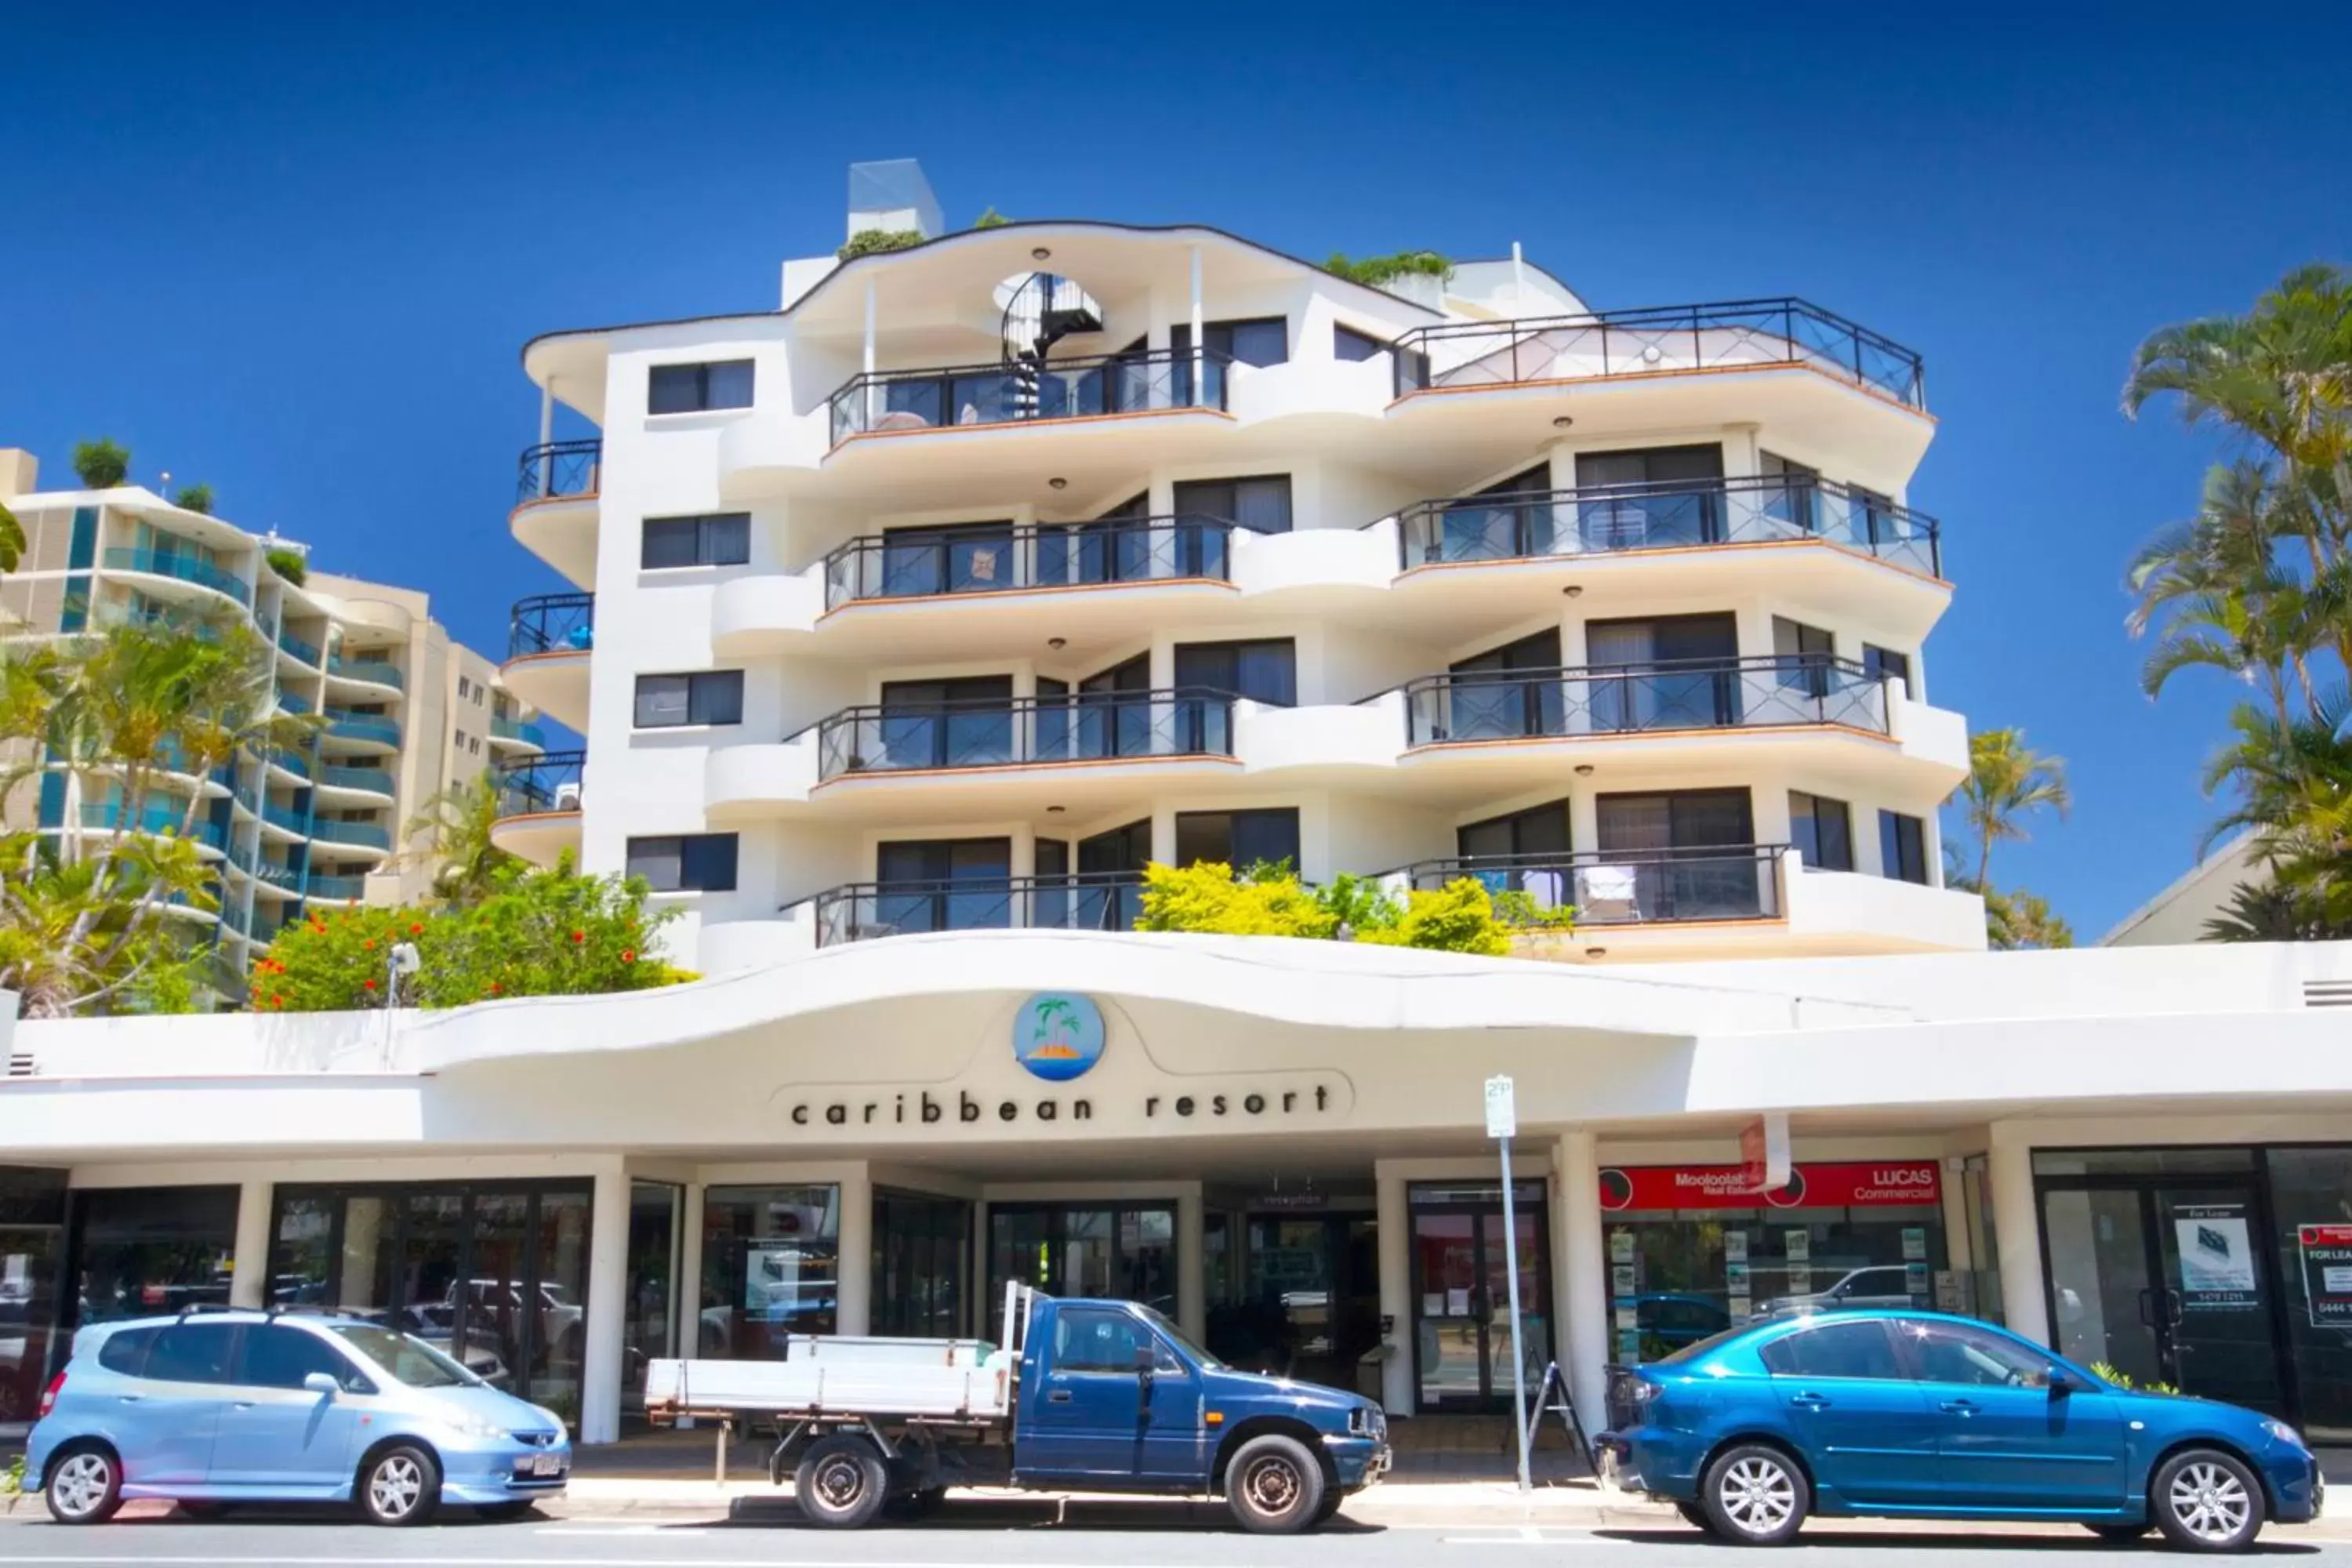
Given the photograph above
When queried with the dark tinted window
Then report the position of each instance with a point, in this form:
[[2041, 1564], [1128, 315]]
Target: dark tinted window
[[722, 539], [126, 1352], [685, 863], [1885, 664], [1260, 503], [1822, 831], [1086, 1340], [1833, 1350], [1348, 343], [1902, 848], [709, 697], [690, 388], [275, 1356], [1238, 838], [192, 1353]]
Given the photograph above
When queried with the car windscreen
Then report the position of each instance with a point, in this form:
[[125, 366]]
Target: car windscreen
[[1177, 1337], [408, 1359]]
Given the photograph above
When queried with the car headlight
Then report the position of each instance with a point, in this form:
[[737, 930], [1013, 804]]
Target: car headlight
[[2283, 1432], [474, 1426]]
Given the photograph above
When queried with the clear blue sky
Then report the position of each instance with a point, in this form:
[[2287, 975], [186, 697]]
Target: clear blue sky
[[293, 250]]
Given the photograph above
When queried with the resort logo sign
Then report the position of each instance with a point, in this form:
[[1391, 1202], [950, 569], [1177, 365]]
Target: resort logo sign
[[1057, 1037]]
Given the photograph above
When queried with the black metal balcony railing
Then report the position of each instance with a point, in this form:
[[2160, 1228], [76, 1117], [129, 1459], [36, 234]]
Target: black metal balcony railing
[[916, 563], [1104, 900], [552, 623], [547, 783], [1739, 333], [1680, 694], [1028, 732], [951, 395], [1708, 882], [1537, 524], [558, 468]]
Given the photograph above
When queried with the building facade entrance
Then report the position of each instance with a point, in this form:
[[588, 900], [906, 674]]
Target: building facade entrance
[[1461, 1294]]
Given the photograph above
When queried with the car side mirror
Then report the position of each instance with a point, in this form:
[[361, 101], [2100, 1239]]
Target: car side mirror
[[321, 1383], [1145, 1361], [2062, 1381]]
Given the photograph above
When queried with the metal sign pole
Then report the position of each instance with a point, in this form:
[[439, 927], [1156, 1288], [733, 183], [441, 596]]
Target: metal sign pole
[[1502, 1121]]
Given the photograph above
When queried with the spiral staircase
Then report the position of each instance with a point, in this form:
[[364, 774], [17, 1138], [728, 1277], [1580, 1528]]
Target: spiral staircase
[[1042, 309]]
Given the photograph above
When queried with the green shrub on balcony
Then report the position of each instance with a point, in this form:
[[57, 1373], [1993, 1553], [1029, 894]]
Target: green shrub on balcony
[[551, 933], [101, 464], [1463, 916], [289, 564], [1379, 271], [195, 497], [875, 241]]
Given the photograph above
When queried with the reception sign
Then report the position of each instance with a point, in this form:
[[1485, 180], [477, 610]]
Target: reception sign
[[1851, 1184]]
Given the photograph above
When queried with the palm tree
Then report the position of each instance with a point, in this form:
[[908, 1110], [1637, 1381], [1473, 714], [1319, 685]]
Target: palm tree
[[2293, 777], [455, 829], [2007, 781], [2270, 910]]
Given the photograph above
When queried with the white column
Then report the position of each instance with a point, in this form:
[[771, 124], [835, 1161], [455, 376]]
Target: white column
[[249, 1280], [1960, 1255], [546, 434], [608, 1292], [1200, 386], [1395, 1231], [690, 1277], [1191, 1265], [871, 391], [1584, 1272], [2017, 1232], [854, 1266]]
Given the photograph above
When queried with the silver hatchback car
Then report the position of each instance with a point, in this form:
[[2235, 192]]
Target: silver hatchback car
[[216, 1408]]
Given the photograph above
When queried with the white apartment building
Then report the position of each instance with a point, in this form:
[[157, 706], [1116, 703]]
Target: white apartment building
[[893, 677], [978, 574], [410, 711]]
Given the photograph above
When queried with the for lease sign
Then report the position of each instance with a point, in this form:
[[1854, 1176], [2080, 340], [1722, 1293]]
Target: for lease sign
[[2327, 1273]]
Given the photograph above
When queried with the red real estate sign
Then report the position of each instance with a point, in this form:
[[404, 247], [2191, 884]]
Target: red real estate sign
[[1852, 1184], [2327, 1273]]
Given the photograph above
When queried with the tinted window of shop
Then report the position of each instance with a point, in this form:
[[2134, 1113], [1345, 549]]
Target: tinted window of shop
[[138, 1251], [1690, 1255], [32, 1248], [494, 1275], [2311, 1204], [769, 1262], [920, 1248]]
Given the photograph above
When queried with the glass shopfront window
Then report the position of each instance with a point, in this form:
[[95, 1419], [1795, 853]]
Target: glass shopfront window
[[495, 1274], [769, 1263], [650, 1329], [1113, 1251], [2311, 1225], [1691, 1253], [138, 1251], [920, 1250], [32, 1250], [1462, 1291]]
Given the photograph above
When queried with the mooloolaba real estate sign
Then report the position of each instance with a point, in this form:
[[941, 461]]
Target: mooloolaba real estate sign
[[1860, 1183]]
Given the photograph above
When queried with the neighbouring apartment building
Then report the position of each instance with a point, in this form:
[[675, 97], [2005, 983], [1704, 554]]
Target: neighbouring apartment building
[[909, 621], [409, 711]]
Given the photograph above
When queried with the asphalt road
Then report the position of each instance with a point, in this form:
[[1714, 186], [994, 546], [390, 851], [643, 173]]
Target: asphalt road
[[1030, 1536]]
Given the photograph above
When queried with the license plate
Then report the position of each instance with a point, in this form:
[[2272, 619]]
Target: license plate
[[546, 1464]]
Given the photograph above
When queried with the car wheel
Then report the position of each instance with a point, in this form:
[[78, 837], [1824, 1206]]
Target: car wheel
[[85, 1485], [842, 1482], [2204, 1500], [499, 1512], [2119, 1534], [400, 1486], [1273, 1486], [1693, 1514], [1755, 1495]]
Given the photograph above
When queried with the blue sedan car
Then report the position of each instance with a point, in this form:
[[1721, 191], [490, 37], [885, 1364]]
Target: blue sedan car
[[1920, 1415], [223, 1408]]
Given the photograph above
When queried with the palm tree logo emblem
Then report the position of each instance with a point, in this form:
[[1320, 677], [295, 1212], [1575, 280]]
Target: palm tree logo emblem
[[1057, 1038]]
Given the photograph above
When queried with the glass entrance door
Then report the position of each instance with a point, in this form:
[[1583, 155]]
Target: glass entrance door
[[2166, 1281], [1461, 1290]]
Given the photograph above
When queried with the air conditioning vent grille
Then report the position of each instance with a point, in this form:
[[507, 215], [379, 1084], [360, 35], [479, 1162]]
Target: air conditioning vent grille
[[2327, 992], [20, 1064]]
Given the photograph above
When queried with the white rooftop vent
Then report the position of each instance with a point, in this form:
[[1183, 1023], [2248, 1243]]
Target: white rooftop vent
[[892, 195]]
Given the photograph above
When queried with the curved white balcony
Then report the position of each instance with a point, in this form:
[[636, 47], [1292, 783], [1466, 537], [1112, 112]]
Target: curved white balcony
[[747, 781], [539, 807], [556, 506], [765, 613], [550, 637]]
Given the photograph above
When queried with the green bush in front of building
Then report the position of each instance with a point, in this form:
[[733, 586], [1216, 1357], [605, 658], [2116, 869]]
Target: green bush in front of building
[[551, 933], [1463, 916]]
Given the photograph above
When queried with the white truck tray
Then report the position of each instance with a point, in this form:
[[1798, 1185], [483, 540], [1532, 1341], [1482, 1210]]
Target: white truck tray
[[844, 1377]]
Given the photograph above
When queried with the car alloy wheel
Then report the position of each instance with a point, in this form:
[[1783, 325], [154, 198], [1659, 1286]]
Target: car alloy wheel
[[1758, 1495], [2210, 1502], [81, 1484], [395, 1486]]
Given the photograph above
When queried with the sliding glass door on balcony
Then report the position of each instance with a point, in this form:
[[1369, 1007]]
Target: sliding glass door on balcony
[[1681, 856], [967, 558], [963, 723], [942, 884], [1667, 497], [1679, 675], [1496, 695]]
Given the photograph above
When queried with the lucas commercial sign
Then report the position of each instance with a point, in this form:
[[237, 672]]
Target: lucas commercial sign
[[1062, 1073]]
